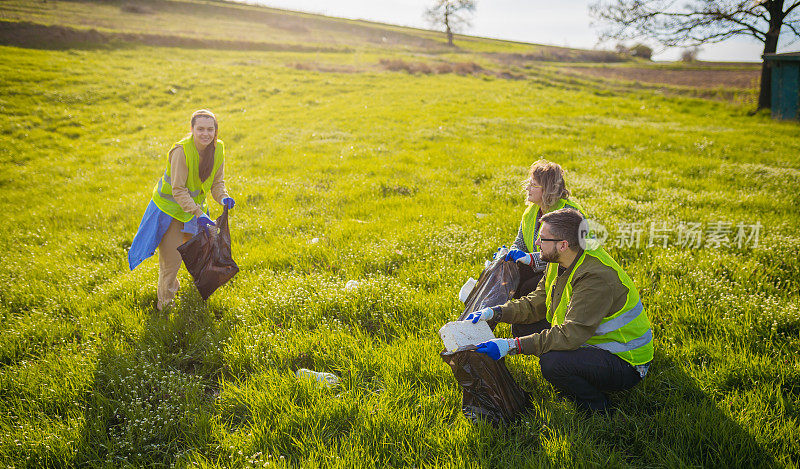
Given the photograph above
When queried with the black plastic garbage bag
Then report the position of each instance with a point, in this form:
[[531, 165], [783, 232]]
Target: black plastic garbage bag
[[207, 256], [496, 285], [489, 391]]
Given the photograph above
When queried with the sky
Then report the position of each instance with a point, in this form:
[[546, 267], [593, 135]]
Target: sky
[[559, 23]]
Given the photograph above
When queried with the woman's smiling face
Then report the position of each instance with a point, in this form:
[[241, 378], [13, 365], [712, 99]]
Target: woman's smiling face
[[203, 130]]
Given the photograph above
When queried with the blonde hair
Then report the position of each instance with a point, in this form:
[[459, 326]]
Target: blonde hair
[[551, 177]]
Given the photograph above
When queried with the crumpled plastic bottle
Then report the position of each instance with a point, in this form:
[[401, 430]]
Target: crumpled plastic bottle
[[327, 379]]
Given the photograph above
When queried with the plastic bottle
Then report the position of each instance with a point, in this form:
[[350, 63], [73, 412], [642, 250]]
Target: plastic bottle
[[327, 379]]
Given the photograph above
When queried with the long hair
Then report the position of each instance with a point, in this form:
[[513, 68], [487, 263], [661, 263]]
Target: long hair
[[551, 177], [207, 153]]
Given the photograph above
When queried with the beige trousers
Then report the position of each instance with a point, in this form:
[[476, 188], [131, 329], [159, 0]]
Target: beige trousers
[[169, 262]]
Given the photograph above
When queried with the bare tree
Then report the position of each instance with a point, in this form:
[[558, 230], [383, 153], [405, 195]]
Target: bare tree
[[452, 14], [697, 22]]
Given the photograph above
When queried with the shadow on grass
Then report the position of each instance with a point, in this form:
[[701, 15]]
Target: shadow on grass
[[667, 420], [154, 393]]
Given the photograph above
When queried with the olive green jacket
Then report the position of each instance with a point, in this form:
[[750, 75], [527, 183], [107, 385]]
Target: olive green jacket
[[597, 292]]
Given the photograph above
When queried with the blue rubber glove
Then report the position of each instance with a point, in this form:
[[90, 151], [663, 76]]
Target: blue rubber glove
[[515, 255], [228, 202], [494, 256], [495, 348], [204, 221], [483, 315]]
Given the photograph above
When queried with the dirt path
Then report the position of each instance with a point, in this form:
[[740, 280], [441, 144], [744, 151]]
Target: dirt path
[[707, 78]]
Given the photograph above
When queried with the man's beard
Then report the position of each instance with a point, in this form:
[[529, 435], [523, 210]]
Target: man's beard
[[549, 257]]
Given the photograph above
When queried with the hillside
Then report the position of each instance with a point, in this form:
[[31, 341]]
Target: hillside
[[242, 23], [236, 26]]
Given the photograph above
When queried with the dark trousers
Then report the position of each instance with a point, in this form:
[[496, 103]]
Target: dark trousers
[[583, 375], [528, 280]]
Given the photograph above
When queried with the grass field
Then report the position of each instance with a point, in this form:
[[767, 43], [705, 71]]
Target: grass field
[[409, 181]]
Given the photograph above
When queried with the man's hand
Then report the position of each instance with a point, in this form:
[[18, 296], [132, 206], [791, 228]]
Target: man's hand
[[515, 255], [204, 221], [228, 202], [495, 348], [483, 315]]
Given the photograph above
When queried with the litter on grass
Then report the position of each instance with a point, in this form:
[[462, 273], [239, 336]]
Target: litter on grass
[[326, 379]]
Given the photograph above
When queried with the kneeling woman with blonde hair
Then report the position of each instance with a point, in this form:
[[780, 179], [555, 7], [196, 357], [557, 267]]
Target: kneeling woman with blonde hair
[[177, 208], [546, 192]]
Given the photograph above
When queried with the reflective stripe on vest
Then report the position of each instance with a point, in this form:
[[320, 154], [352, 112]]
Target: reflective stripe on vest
[[626, 333], [617, 347], [168, 180], [531, 226], [620, 321], [162, 192]]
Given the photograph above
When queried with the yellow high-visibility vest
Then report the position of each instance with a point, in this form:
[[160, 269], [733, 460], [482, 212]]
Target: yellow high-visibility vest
[[162, 192], [626, 333]]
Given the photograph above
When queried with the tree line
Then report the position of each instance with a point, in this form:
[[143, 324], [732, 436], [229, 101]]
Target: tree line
[[671, 23]]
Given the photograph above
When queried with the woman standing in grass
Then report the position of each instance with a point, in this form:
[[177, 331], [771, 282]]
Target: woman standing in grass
[[546, 192], [178, 204]]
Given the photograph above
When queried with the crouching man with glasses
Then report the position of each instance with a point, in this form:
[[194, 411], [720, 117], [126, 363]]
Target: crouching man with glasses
[[584, 321]]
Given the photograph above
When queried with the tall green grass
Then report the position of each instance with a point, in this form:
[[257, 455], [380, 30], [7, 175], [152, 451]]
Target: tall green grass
[[409, 182]]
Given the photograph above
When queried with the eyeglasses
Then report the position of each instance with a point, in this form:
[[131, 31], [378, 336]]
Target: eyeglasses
[[551, 239]]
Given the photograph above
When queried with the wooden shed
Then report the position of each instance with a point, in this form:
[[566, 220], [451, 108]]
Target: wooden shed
[[785, 101]]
